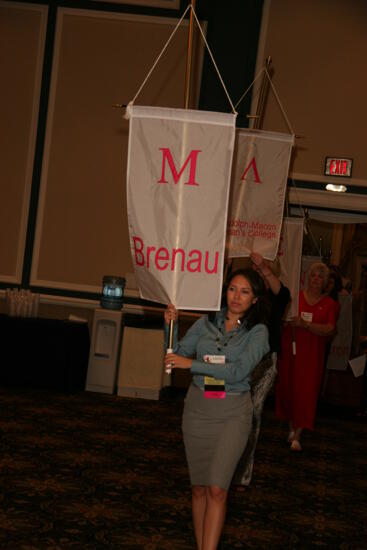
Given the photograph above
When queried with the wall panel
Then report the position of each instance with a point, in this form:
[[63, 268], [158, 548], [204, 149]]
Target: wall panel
[[22, 39], [100, 59], [318, 57]]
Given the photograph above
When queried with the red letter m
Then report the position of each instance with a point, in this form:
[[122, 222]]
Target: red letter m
[[252, 165], [192, 158]]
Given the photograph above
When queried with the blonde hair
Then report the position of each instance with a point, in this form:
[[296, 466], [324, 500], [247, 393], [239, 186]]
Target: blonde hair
[[321, 268]]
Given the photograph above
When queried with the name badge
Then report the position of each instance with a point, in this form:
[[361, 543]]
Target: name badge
[[306, 316], [214, 388]]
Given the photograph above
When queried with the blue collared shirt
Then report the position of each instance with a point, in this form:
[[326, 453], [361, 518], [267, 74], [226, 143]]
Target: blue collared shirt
[[243, 350]]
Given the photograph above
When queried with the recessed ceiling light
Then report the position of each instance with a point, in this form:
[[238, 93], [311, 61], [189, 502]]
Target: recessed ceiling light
[[336, 188]]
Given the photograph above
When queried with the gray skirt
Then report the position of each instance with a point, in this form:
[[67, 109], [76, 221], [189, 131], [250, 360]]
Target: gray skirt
[[215, 433]]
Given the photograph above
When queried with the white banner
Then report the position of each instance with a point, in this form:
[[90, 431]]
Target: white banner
[[259, 181], [342, 342], [290, 258], [178, 176]]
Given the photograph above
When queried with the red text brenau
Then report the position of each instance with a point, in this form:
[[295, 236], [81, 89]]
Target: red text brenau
[[176, 259]]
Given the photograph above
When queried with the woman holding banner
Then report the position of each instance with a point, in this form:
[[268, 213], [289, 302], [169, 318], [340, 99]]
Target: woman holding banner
[[301, 369], [217, 418]]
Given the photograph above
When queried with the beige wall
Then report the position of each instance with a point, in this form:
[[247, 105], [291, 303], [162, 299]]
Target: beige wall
[[318, 50], [100, 59], [22, 35]]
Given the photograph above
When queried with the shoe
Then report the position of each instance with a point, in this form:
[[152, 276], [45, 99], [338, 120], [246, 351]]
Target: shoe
[[291, 436], [296, 446]]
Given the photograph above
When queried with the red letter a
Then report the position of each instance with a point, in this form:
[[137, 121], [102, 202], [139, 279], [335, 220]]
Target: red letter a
[[254, 167]]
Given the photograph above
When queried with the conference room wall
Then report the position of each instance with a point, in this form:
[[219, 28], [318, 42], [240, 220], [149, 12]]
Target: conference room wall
[[22, 43], [318, 55], [81, 219], [100, 59]]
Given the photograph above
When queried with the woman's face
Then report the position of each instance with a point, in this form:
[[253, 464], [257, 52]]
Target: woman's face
[[240, 296], [316, 280]]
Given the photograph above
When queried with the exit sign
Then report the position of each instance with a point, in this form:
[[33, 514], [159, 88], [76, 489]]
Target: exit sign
[[338, 167]]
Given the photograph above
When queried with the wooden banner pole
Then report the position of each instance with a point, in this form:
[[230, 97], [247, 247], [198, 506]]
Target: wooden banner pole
[[189, 56], [187, 103], [262, 96]]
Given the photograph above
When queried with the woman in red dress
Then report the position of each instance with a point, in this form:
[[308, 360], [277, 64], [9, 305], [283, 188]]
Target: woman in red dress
[[300, 374]]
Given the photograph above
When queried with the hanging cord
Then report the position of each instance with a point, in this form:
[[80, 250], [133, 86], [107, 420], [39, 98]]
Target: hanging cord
[[160, 55], [214, 63], [249, 88], [164, 49], [264, 70], [279, 102], [305, 216]]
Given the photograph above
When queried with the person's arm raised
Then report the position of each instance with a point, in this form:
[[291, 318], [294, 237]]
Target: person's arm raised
[[264, 267]]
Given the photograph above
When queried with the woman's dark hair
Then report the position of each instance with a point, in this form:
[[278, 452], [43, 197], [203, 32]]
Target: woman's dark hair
[[260, 310]]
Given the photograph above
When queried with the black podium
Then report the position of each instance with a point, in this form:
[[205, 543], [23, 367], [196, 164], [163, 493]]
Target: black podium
[[43, 353]]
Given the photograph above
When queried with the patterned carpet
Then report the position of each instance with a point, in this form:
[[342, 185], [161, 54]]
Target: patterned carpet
[[92, 471]]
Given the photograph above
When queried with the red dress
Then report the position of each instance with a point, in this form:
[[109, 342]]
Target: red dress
[[300, 375]]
